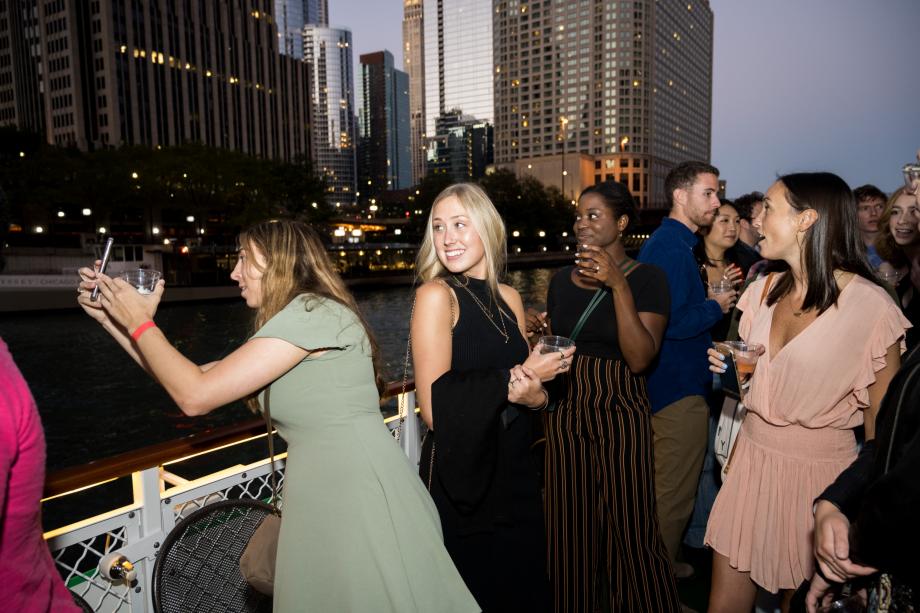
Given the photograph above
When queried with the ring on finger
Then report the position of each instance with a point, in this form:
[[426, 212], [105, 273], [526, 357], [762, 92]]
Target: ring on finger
[[597, 268]]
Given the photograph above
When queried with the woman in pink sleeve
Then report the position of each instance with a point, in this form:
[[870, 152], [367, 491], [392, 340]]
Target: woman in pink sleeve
[[29, 581], [833, 338]]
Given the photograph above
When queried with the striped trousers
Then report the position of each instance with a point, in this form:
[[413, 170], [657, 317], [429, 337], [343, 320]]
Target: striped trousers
[[604, 547]]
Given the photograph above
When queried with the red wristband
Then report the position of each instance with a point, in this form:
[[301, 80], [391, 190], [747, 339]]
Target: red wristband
[[142, 328]]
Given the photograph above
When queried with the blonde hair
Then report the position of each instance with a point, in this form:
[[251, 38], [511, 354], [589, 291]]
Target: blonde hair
[[487, 223], [887, 249], [296, 263]]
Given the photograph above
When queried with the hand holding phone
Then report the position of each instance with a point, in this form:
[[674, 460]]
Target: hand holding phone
[[734, 361], [106, 253], [726, 369]]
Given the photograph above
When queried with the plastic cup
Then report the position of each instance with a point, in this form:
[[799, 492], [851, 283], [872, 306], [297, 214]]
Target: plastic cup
[[549, 344], [890, 277], [144, 280], [745, 354], [720, 287]]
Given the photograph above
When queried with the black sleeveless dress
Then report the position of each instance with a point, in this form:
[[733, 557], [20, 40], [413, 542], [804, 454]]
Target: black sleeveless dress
[[478, 464]]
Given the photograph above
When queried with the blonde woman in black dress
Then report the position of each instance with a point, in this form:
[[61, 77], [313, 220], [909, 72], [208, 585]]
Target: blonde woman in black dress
[[478, 388]]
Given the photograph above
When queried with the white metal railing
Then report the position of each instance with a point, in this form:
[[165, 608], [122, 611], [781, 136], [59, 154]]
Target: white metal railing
[[161, 500]]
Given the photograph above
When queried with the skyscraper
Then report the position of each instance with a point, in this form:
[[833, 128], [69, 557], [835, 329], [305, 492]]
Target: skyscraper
[[383, 126], [21, 100], [414, 61], [158, 73], [462, 147], [291, 16], [458, 59], [627, 85], [328, 53]]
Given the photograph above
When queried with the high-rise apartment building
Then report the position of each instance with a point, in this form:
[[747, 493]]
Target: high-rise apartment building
[[458, 59], [21, 100], [462, 147], [156, 73], [291, 16], [383, 126], [328, 53], [414, 63], [627, 83]]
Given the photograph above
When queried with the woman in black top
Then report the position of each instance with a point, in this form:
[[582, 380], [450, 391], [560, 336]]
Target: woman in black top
[[605, 550]]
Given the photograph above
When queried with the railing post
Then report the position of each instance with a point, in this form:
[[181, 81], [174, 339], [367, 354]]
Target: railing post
[[146, 486]]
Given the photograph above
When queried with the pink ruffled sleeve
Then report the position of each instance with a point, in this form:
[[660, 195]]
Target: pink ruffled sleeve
[[890, 328], [748, 304]]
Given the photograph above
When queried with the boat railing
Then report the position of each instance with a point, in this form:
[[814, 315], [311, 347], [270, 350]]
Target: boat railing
[[88, 552]]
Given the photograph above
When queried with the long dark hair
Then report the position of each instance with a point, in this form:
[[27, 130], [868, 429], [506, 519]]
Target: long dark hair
[[831, 243]]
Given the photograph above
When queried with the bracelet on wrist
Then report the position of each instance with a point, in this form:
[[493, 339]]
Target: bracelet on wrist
[[139, 331], [545, 402]]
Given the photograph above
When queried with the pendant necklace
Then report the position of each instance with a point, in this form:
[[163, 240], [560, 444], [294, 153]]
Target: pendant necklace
[[487, 312]]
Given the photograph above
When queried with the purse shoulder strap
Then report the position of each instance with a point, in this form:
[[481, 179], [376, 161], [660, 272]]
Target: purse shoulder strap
[[766, 287], [595, 300], [267, 414]]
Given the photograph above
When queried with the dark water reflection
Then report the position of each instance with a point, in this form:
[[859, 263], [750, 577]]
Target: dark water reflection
[[96, 402]]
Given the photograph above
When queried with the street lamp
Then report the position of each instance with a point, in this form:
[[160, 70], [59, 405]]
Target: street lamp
[[563, 122]]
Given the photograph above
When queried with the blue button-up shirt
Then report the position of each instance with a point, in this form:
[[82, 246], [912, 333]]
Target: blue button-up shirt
[[682, 368]]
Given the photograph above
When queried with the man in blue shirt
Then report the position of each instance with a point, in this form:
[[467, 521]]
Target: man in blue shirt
[[680, 379]]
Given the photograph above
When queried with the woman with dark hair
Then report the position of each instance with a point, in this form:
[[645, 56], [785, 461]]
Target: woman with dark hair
[[865, 522], [605, 549], [359, 531], [833, 340], [719, 258]]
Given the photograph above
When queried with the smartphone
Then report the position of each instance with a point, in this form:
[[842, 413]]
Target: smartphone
[[731, 382], [106, 252]]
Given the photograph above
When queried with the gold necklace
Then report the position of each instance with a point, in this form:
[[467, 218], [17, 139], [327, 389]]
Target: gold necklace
[[487, 312], [838, 275]]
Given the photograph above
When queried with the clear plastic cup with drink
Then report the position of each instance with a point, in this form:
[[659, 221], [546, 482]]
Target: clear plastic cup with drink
[[745, 355], [720, 287], [144, 280], [889, 277], [550, 343]]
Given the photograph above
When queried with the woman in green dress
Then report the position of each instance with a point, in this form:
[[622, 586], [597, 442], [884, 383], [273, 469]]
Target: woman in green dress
[[359, 531]]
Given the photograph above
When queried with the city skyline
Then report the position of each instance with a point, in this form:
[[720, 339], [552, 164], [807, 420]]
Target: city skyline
[[836, 72]]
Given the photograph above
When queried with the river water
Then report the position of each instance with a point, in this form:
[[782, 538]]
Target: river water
[[96, 402]]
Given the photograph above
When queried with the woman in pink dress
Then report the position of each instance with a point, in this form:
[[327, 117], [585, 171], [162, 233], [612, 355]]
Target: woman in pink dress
[[29, 580], [833, 339]]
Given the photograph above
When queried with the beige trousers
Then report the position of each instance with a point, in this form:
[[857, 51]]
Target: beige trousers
[[679, 434]]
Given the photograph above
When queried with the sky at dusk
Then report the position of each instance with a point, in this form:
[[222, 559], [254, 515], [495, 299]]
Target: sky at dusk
[[797, 84]]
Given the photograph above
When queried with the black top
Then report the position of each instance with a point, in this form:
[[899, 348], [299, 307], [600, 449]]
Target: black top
[[484, 482], [880, 491], [477, 341], [743, 257], [911, 311], [565, 302], [484, 471]]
